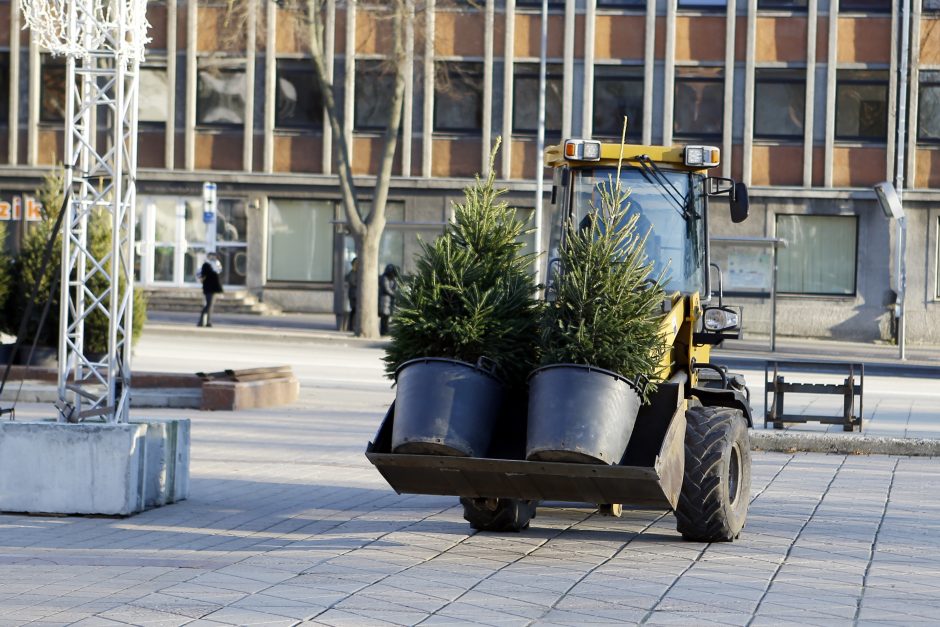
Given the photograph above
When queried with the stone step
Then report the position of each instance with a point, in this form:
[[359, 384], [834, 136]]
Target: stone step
[[186, 299]]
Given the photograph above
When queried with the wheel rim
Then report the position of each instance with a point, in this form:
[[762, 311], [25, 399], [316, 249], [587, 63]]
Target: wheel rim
[[734, 475]]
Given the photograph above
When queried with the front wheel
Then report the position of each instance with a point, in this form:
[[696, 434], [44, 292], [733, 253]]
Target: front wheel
[[717, 483], [498, 514]]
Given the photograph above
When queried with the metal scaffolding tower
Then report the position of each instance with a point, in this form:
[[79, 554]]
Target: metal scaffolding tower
[[103, 41]]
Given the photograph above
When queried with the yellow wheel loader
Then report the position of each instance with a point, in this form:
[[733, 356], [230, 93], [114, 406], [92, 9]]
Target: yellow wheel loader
[[689, 451]]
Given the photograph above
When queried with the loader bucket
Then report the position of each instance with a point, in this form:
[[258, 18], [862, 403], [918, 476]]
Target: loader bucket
[[650, 473]]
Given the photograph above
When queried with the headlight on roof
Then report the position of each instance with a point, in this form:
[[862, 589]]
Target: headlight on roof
[[702, 156], [582, 150]]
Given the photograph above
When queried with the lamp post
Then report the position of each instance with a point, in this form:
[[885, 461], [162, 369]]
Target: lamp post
[[890, 202], [540, 139]]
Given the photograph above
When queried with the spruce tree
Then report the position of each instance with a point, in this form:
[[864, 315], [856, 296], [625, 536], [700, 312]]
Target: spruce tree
[[472, 293], [607, 308]]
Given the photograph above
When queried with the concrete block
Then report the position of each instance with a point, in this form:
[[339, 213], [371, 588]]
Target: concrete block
[[50, 467], [234, 395], [167, 464], [93, 468]]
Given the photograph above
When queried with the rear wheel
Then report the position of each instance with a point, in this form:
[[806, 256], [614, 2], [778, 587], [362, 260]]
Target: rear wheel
[[717, 483], [498, 514]]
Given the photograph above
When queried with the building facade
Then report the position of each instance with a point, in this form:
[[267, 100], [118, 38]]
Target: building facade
[[809, 100]]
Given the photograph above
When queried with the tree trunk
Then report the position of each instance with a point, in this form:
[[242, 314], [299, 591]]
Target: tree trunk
[[367, 303]]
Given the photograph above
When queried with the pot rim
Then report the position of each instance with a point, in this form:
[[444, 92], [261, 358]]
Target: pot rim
[[477, 367], [633, 384]]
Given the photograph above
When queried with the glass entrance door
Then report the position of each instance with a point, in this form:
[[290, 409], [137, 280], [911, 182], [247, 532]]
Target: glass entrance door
[[172, 242]]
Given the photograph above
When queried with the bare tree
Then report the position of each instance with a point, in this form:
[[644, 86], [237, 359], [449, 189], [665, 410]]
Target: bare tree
[[310, 21]]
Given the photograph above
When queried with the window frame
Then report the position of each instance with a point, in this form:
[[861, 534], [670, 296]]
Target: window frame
[[553, 71], [298, 66], [154, 124], [854, 292], [872, 139], [4, 93], [369, 128], [331, 206], [477, 74], [779, 81], [934, 84], [48, 62], [636, 5], [229, 70], [635, 128], [783, 5], [846, 6], [677, 80], [709, 6]]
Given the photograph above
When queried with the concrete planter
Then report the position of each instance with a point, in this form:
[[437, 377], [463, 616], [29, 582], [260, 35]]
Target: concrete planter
[[93, 468]]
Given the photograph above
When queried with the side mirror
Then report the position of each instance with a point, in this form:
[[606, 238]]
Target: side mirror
[[739, 203]]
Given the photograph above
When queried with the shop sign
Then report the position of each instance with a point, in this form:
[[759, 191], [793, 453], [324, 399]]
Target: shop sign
[[17, 206]]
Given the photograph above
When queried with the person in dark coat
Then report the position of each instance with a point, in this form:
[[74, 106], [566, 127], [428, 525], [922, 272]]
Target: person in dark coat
[[388, 283], [352, 294], [209, 276]]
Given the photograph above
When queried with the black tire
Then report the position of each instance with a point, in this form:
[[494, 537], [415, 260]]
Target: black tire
[[505, 515], [717, 483]]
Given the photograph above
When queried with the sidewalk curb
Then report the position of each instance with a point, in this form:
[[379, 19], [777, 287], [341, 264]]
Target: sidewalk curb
[[840, 444], [261, 334], [872, 368]]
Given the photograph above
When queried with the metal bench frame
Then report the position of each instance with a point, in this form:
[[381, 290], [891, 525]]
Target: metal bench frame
[[774, 412]]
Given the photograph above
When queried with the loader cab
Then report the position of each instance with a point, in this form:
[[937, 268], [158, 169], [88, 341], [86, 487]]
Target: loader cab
[[669, 190]]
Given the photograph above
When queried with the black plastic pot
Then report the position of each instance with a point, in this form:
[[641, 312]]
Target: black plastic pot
[[445, 407], [580, 414]]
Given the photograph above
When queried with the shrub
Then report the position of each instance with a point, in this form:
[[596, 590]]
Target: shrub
[[28, 266]]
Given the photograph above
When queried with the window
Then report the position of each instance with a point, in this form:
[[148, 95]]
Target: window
[[861, 105], [820, 254], [4, 94], [618, 92], [153, 89], [931, 5], [552, 4], [392, 244], [865, 6], [52, 90], [458, 97], [375, 85], [298, 102], [300, 240], [525, 98], [779, 103], [699, 103], [782, 5], [702, 4], [928, 107], [612, 4], [220, 97]]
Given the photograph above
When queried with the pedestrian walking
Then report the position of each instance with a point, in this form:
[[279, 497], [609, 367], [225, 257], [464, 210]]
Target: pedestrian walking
[[352, 286], [388, 283], [209, 275]]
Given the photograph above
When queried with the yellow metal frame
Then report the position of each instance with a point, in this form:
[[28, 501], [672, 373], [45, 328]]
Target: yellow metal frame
[[611, 154]]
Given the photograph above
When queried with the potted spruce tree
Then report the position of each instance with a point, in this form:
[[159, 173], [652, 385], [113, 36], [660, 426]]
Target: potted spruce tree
[[463, 335], [600, 339]]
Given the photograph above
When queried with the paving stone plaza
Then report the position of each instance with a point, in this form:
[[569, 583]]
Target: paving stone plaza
[[288, 523]]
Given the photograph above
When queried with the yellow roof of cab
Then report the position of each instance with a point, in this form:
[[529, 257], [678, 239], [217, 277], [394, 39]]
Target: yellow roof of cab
[[611, 154]]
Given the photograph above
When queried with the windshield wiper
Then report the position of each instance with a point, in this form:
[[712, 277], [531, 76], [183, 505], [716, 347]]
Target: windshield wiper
[[656, 175]]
